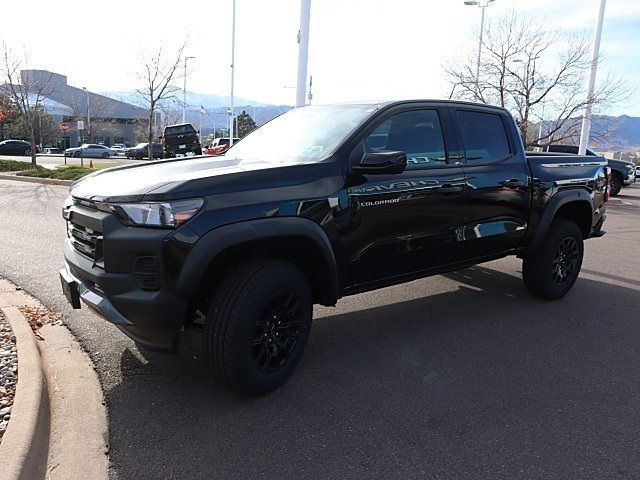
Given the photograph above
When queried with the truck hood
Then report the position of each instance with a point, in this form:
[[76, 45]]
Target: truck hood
[[132, 182]]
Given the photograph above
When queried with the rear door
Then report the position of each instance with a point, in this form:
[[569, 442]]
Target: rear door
[[405, 223], [498, 189]]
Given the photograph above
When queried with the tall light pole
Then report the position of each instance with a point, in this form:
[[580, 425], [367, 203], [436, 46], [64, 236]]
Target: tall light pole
[[233, 60], [482, 4], [184, 91], [586, 120], [303, 52], [88, 127]]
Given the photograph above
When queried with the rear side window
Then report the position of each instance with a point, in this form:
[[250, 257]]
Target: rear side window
[[484, 137]]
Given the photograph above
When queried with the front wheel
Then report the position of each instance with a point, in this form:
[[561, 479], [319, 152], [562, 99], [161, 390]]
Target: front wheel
[[551, 271], [76, 154], [27, 152], [105, 155], [258, 324]]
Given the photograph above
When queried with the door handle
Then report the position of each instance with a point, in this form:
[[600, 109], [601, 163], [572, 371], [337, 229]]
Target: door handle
[[513, 183], [448, 188]]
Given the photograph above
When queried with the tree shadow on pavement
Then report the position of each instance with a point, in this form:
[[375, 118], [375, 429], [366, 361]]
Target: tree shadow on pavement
[[481, 381]]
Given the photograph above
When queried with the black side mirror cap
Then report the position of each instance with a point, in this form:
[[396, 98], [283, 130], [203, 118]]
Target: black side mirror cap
[[382, 163]]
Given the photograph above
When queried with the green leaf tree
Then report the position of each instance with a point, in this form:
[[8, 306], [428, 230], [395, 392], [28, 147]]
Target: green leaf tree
[[244, 124]]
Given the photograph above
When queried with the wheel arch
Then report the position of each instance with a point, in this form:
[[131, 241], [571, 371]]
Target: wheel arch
[[574, 205], [297, 240]]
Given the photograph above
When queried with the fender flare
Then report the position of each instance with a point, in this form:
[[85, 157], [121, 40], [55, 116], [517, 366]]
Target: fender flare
[[221, 238], [557, 201]]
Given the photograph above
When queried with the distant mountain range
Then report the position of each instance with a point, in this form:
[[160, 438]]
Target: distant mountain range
[[623, 133], [216, 107]]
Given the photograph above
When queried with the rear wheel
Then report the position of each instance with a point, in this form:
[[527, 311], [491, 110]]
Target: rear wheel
[[258, 325], [615, 185], [551, 272]]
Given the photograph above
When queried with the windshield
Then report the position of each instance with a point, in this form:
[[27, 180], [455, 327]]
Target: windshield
[[141, 145], [303, 135]]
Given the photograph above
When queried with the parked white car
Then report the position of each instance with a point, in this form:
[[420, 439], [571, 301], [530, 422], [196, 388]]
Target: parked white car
[[91, 150], [119, 148]]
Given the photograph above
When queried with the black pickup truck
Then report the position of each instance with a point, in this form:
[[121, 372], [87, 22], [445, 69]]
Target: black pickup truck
[[359, 197], [181, 140]]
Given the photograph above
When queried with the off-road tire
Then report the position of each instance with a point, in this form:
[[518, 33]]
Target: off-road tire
[[239, 304], [615, 185], [562, 251]]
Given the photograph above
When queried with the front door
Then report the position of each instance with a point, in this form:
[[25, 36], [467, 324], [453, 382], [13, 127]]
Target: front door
[[405, 223]]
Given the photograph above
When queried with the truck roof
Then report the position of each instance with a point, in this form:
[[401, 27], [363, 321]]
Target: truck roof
[[387, 103]]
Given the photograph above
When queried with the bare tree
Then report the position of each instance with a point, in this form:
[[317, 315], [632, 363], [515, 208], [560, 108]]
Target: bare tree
[[26, 92], [158, 70], [537, 74]]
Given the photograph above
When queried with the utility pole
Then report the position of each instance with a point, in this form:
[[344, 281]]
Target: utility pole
[[184, 91], [233, 59], [303, 52], [586, 120]]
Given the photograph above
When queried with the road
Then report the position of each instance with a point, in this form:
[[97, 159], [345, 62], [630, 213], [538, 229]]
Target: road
[[458, 376]]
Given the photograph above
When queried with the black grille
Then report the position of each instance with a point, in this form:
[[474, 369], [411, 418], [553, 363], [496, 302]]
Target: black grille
[[86, 241]]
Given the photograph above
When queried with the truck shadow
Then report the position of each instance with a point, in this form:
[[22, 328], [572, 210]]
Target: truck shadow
[[439, 385]]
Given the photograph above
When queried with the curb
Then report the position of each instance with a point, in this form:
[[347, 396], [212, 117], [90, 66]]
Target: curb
[[44, 181], [58, 427], [25, 445]]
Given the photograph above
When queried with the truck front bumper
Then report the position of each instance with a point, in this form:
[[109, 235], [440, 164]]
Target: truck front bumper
[[153, 319]]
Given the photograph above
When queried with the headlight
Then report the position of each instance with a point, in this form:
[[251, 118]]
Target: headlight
[[157, 214]]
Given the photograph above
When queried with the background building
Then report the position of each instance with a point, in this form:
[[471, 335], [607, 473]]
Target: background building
[[107, 121]]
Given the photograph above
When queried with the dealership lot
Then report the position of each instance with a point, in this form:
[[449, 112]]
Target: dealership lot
[[455, 376]]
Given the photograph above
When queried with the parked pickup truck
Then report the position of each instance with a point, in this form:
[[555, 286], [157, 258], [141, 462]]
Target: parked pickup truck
[[359, 197], [181, 140], [623, 172]]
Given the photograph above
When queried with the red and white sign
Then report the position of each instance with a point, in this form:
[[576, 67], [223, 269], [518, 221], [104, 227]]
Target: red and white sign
[[64, 127]]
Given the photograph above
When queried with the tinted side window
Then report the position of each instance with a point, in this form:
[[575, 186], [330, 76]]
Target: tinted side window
[[484, 136], [418, 133]]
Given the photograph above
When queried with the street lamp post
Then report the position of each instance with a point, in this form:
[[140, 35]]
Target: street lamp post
[[184, 91], [482, 4], [88, 127], [303, 52], [586, 120]]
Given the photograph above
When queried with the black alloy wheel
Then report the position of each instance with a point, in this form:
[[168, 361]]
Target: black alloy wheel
[[275, 335], [257, 325], [551, 270], [565, 261]]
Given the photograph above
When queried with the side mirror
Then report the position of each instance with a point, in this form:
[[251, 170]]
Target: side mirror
[[382, 163]]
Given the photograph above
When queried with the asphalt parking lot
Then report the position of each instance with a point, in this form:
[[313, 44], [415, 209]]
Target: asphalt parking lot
[[464, 375]]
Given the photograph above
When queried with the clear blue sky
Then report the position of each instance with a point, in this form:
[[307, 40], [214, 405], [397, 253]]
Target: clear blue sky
[[359, 49]]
